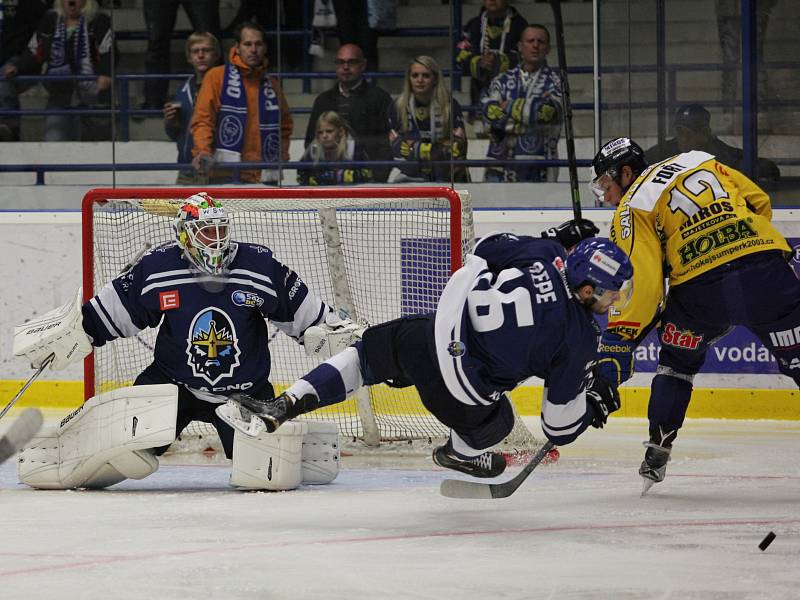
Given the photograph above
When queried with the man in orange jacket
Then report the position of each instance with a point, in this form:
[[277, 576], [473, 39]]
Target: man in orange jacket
[[241, 113]]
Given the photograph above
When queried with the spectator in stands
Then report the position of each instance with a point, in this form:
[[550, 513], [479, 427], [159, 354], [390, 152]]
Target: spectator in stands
[[334, 142], [693, 132], [524, 109], [352, 27], [159, 18], [241, 114], [427, 125], [362, 104], [18, 21], [287, 13], [729, 27], [73, 39], [203, 52], [488, 47]]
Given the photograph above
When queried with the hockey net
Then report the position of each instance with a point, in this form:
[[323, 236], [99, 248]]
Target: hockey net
[[376, 253]]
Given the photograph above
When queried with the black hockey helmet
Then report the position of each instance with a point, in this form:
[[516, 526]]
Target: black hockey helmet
[[616, 154]]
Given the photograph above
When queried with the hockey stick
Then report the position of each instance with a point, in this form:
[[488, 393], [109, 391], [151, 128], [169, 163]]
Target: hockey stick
[[20, 433], [457, 488], [33, 377], [569, 134]]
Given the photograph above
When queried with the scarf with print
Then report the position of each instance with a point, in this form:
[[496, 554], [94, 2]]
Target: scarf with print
[[59, 62], [232, 120], [486, 41], [435, 125]]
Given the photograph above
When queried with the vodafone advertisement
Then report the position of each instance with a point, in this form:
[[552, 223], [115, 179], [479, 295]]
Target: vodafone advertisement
[[738, 352]]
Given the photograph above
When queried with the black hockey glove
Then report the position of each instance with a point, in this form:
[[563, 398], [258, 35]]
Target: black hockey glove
[[603, 398], [571, 232]]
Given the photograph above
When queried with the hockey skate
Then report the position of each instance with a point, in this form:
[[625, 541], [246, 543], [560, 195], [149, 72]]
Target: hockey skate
[[488, 464], [252, 416], [654, 466]]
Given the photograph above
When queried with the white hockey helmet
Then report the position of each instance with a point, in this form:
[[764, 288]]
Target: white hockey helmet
[[203, 231]]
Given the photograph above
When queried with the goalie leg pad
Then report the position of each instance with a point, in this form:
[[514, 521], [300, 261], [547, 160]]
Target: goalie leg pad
[[130, 465], [102, 431], [321, 452], [271, 461]]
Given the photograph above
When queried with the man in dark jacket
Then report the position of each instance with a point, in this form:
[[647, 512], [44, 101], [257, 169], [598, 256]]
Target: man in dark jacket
[[362, 104], [693, 132], [488, 47]]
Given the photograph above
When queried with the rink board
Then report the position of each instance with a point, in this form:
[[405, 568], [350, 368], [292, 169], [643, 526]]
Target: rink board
[[729, 403], [738, 380]]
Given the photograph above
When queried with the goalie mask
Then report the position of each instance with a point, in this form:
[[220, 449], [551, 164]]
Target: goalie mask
[[203, 231], [602, 264]]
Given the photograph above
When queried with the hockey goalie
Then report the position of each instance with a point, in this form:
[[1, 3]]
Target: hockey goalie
[[210, 297]]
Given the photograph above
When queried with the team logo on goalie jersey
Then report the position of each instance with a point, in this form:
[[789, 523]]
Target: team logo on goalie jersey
[[213, 347]]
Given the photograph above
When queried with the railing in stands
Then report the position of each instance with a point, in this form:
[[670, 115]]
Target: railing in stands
[[41, 169], [125, 111]]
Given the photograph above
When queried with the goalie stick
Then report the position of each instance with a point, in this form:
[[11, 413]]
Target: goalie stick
[[458, 488], [20, 433], [28, 383], [27, 424]]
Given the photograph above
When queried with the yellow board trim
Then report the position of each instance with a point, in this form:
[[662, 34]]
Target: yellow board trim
[[707, 403]]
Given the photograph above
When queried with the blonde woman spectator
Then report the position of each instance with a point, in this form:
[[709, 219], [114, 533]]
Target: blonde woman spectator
[[334, 142], [426, 126]]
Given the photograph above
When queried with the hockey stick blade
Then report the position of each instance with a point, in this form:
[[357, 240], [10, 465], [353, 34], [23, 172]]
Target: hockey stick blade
[[20, 433], [457, 488]]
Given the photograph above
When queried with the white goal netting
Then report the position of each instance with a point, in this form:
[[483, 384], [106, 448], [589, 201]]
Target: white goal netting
[[376, 253]]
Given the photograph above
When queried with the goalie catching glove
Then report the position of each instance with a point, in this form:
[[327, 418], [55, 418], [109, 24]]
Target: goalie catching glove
[[332, 336], [603, 397], [568, 234], [58, 332]]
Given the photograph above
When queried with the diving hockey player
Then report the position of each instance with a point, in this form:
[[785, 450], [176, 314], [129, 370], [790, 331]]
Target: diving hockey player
[[210, 297], [519, 307], [707, 228]]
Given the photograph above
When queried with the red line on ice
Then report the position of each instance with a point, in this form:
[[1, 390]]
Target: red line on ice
[[217, 550]]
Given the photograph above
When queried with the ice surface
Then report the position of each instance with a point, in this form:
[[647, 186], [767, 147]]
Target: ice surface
[[575, 530]]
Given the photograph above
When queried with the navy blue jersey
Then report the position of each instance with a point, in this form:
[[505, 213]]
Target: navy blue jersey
[[213, 334], [508, 315]]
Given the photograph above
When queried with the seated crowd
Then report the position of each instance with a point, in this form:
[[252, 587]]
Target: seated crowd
[[232, 109]]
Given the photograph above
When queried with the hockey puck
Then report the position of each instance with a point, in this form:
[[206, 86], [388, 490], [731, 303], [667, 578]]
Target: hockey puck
[[766, 541]]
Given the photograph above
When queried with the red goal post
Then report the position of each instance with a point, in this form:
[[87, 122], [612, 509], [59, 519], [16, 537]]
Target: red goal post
[[376, 252]]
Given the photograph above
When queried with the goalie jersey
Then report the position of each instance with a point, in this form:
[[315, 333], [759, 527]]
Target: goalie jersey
[[509, 315], [683, 217], [213, 336]]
